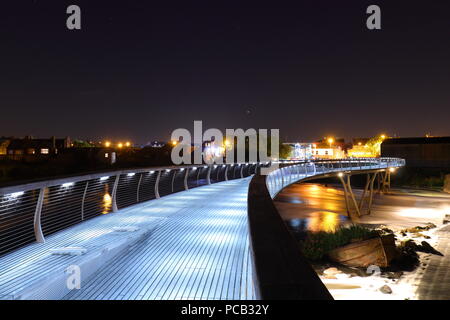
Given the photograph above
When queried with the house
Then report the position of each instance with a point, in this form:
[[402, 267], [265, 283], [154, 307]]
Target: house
[[325, 151], [32, 146], [4, 143], [329, 149]]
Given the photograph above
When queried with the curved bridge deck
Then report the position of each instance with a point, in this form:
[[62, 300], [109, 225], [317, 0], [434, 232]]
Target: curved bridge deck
[[193, 244], [196, 247]]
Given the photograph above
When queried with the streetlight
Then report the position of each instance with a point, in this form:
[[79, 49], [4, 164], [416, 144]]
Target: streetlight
[[174, 143], [330, 141], [383, 136], [120, 145], [127, 144], [107, 144]]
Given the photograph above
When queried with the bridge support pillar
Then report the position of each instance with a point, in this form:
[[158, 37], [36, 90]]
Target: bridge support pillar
[[384, 181], [367, 195], [369, 207], [368, 189], [348, 192]]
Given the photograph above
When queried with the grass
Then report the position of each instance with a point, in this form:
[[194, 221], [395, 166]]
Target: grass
[[316, 245]]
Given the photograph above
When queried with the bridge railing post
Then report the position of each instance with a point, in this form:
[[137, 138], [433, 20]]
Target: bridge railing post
[[114, 193], [39, 235]]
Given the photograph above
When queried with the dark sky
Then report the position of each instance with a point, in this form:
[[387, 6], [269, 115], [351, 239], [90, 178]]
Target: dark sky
[[139, 69]]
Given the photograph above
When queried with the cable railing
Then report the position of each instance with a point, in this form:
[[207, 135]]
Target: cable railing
[[280, 270], [30, 212], [293, 171]]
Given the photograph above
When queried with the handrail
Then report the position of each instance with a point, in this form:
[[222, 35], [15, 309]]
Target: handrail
[[31, 211], [280, 269]]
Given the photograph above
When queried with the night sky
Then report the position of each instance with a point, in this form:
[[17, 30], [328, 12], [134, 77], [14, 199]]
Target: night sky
[[139, 69]]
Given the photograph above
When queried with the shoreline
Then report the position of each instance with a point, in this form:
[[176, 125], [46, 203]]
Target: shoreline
[[396, 210]]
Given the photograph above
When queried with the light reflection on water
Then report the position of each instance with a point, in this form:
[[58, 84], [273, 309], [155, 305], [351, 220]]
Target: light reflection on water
[[312, 207], [318, 221]]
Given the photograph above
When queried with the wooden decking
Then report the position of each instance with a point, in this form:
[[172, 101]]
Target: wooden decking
[[192, 245]]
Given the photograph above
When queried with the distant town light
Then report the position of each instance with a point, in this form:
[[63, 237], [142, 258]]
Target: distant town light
[[174, 143], [383, 136]]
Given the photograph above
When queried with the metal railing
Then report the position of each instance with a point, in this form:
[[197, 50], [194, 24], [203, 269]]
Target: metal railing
[[280, 270], [30, 212], [292, 171]]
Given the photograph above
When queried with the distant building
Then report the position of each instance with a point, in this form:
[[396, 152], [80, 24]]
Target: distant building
[[336, 142], [327, 150], [4, 143], [211, 151], [300, 151], [360, 149], [155, 144], [31, 146], [432, 152]]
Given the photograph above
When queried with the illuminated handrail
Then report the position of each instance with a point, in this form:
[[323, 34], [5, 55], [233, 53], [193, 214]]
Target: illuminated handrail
[[293, 171], [280, 270], [31, 211]]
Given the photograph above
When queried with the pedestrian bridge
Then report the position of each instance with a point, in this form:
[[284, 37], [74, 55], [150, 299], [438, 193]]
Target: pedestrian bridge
[[193, 232]]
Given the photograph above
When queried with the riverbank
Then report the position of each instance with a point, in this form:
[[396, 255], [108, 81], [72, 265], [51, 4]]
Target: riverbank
[[316, 207]]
